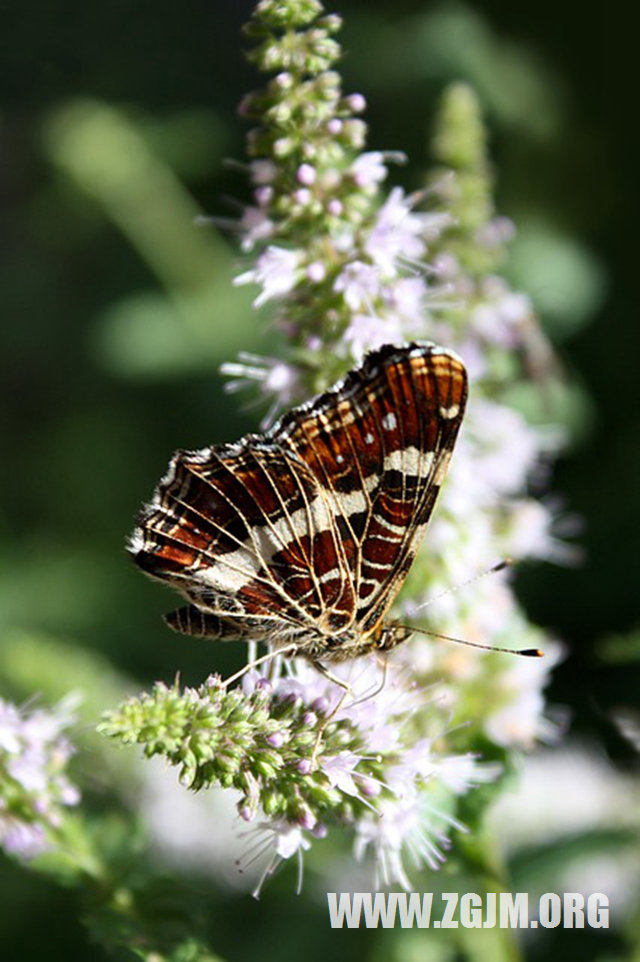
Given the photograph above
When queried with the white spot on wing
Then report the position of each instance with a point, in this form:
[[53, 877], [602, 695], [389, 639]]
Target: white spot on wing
[[409, 460], [231, 572], [390, 421], [353, 503], [448, 413]]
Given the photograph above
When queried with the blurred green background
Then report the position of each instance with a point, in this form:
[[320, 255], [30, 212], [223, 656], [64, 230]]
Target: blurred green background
[[116, 123]]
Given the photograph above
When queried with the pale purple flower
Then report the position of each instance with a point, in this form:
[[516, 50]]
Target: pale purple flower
[[288, 839], [415, 765], [407, 297], [359, 284], [520, 720], [402, 827], [499, 318], [276, 739], [340, 772], [263, 171], [284, 80], [356, 103], [399, 234], [498, 450], [316, 272], [446, 266], [307, 820], [24, 840], [366, 332], [496, 232], [277, 380], [255, 227], [461, 772], [34, 787], [279, 840], [27, 769], [276, 271], [383, 697], [276, 376], [530, 533], [10, 724], [263, 195], [306, 175], [368, 170]]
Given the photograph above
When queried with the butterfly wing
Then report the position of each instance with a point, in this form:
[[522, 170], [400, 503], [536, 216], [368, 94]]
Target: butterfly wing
[[238, 530], [311, 528], [380, 445]]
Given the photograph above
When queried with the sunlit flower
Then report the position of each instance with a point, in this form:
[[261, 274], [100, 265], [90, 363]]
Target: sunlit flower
[[276, 272], [255, 226], [277, 380], [368, 170], [499, 316], [401, 829], [359, 284], [396, 234], [520, 720], [366, 332]]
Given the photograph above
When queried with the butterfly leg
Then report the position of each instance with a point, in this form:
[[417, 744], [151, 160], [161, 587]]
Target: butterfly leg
[[288, 650], [348, 690], [331, 677], [383, 663]]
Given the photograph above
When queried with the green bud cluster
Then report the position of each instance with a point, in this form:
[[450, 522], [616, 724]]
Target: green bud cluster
[[267, 746], [460, 147], [304, 119]]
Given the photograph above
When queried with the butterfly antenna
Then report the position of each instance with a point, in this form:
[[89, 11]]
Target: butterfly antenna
[[525, 652], [499, 566]]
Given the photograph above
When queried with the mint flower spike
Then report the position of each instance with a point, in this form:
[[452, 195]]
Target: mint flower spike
[[35, 789], [300, 756], [347, 265], [346, 268]]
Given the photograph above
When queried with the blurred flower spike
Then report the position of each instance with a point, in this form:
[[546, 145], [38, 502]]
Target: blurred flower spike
[[346, 266], [35, 789]]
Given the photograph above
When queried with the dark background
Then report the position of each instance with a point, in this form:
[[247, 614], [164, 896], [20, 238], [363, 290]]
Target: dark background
[[87, 433]]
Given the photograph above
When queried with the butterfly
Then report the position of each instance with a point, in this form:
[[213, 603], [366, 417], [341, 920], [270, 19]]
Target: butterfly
[[301, 537]]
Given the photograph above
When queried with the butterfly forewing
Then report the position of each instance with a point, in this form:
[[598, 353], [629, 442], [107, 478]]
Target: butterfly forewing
[[380, 447], [309, 530]]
